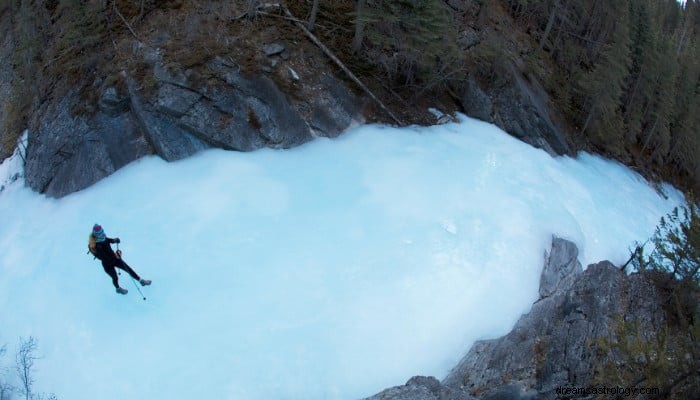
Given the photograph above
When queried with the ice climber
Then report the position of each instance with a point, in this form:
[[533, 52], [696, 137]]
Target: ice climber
[[99, 246]]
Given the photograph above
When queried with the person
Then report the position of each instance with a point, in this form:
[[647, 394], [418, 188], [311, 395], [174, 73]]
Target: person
[[111, 260]]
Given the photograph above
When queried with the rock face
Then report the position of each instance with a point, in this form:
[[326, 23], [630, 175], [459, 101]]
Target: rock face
[[69, 153], [6, 53], [520, 108], [560, 268], [551, 345], [182, 114], [280, 98], [420, 388]]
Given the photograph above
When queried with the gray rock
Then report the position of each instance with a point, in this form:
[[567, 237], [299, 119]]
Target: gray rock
[[122, 139], [111, 103], [550, 346], [169, 141], [66, 153], [468, 39], [229, 129], [164, 74], [510, 392], [420, 388], [335, 109], [560, 268], [293, 74], [256, 104], [273, 49], [476, 103], [175, 100], [523, 111], [150, 55], [520, 108]]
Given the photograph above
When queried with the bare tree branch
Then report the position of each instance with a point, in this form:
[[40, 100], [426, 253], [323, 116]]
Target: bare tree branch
[[116, 10], [25, 365]]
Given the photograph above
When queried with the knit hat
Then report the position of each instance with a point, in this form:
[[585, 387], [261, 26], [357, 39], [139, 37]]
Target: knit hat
[[98, 233]]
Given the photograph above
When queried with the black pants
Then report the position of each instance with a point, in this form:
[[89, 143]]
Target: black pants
[[119, 263]]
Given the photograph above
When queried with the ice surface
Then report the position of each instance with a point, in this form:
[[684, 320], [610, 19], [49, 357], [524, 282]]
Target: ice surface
[[329, 271]]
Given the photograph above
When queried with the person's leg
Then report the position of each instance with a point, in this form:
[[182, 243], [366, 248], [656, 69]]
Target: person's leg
[[109, 270], [125, 267]]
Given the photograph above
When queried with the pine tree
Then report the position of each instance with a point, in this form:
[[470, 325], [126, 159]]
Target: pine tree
[[414, 42], [643, 63], [637, 100], [655, 133], [602, 86], [684, 152]]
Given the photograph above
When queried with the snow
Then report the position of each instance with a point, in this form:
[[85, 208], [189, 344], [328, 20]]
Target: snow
[[328, 271]]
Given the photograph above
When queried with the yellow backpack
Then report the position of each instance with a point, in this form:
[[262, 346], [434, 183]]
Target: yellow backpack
[[92, 245]]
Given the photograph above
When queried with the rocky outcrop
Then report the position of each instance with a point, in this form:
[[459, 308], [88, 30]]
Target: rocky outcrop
[[421, 388], [552, 345], [67, 153], [6, 54], [521, 108], [182, 113], [280, 93], [561, 267]]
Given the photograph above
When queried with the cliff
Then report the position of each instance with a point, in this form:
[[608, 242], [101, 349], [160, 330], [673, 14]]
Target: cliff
[[563, 77], [565, 341], [185, 77]]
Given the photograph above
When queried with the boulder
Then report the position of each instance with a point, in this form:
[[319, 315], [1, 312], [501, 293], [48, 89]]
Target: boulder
[[272, 49]]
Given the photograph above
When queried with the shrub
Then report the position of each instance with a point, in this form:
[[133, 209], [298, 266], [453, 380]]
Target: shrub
[[667, 357], [676, 246]]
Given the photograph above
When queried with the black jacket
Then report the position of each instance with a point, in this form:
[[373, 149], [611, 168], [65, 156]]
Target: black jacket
[[104, 251]]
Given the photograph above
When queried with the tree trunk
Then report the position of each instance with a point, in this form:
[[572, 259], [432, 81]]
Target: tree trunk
[[359, 27], [550, 23], [342, 66], [312, 17]]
